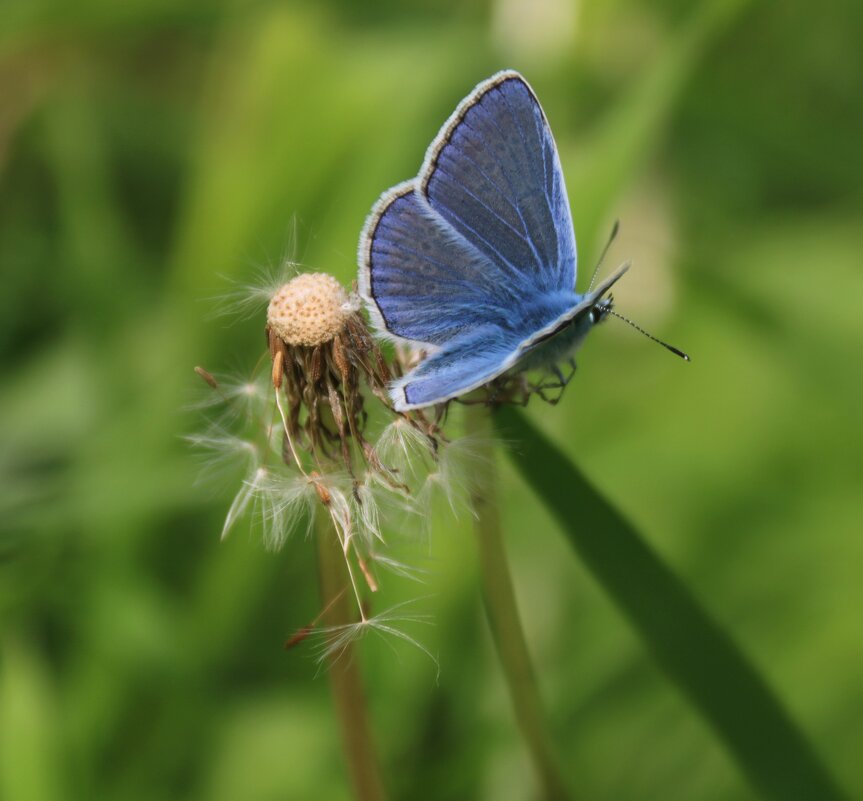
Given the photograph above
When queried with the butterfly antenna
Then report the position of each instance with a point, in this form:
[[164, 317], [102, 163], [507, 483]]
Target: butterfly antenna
[[638, 328], [612, 236]]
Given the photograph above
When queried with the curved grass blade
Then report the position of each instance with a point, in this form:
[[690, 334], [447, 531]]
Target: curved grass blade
[[695, 652]]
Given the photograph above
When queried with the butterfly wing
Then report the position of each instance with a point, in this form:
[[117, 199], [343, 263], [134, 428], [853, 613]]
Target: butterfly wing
[[459, 260], [422, 281], [493, 173]]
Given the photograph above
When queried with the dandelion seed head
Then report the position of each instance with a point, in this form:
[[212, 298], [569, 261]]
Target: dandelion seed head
[[301, 437], [308, 310], [322, 354]]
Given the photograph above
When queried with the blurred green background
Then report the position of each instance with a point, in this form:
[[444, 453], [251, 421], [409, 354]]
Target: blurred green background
[[151, 152]]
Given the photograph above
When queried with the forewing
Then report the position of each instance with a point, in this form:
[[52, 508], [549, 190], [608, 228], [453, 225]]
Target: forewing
[[494, 174], [423, 281]]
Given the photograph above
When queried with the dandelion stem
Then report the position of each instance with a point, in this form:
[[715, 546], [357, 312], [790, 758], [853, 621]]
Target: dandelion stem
[[502, 613], [344, 672]]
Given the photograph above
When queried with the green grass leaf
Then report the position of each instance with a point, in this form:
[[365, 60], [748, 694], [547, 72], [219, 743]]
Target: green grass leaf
[[695, 652]]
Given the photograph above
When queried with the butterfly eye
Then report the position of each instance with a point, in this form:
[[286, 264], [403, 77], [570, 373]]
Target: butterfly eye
[[595, 315]]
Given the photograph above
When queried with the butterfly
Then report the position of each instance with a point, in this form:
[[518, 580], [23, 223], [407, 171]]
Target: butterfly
[[473, 262]]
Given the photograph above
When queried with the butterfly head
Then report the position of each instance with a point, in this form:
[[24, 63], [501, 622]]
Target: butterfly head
[[601, 309]]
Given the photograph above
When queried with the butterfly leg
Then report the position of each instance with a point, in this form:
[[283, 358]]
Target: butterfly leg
[[560, 384], [540, 390]]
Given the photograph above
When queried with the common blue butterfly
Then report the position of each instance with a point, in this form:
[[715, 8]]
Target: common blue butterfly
[[474, 261]]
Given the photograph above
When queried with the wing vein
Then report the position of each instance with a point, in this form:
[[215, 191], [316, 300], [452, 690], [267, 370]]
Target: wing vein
[[485, 205], [517, 122]]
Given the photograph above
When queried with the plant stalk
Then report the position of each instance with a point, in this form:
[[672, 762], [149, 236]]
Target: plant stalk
[[502, 612], [344, 673]]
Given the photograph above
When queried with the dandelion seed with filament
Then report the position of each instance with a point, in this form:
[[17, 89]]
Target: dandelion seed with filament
[[334, 640]]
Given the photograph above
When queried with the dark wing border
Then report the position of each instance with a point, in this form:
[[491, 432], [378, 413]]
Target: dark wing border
[[364, 256], [455, 119]]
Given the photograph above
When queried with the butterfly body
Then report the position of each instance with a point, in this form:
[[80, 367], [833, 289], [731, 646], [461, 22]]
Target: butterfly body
[[474, 261], [560, 346]]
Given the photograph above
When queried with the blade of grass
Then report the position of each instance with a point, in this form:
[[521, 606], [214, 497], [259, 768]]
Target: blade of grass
[[696, 653]]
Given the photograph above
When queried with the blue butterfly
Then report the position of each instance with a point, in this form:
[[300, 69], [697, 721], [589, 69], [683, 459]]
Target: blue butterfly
[[474, 260]]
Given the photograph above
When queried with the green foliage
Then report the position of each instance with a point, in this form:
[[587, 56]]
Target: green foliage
[[151, 153]]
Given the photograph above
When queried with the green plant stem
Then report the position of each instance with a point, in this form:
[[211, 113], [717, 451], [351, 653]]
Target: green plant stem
[[344, 673], [502, 612]]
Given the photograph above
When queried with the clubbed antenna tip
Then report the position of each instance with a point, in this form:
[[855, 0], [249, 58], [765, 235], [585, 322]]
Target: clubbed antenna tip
[[675, 351]]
